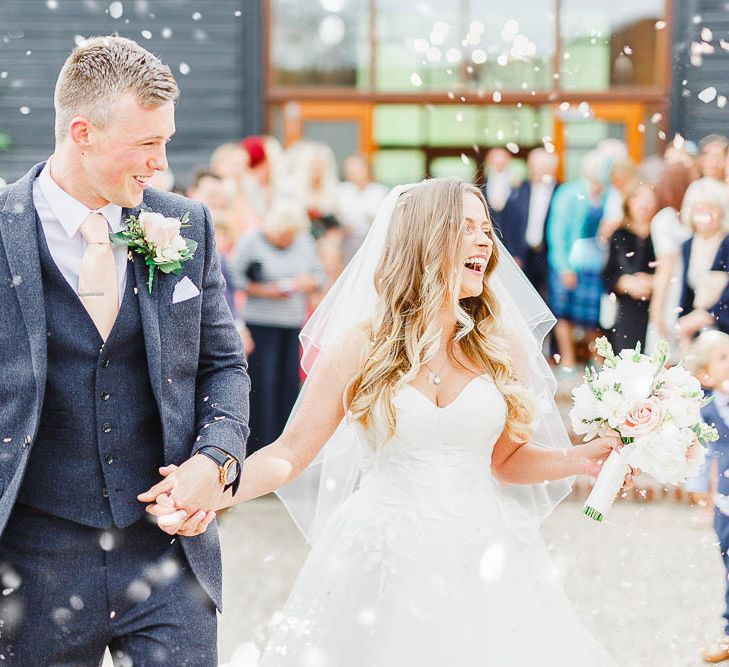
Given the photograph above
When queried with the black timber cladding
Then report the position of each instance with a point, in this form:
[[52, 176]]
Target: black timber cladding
[[690, 116], [217, 42]]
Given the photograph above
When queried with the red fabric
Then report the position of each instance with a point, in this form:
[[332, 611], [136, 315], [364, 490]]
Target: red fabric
[[254, 147]]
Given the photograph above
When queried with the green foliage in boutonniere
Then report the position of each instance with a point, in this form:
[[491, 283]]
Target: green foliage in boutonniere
[[158, 240]]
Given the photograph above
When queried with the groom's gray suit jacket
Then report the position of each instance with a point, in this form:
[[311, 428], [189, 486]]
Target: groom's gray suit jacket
[[197, 372]]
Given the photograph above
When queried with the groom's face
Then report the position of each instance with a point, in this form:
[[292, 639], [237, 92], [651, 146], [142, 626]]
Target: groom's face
[[125, 154]]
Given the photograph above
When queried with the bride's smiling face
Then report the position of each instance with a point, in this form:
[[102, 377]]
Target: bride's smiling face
[[477, 245]]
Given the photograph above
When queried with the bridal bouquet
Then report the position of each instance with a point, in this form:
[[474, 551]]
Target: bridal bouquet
[[656, 412]]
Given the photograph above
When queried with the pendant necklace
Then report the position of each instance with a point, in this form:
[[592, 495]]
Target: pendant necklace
[[433, 377]]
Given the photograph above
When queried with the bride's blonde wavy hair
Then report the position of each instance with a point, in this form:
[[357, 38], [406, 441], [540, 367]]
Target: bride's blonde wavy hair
[[420, 273]]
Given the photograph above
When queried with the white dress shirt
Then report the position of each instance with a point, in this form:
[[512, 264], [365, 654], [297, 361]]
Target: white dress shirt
[[61, 216], [357, 208], [498, 188], [541, 195]]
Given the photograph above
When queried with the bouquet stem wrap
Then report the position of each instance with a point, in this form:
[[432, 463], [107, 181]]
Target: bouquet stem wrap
[[608, 483]]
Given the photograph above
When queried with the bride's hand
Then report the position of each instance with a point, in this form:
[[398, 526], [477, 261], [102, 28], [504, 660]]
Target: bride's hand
[[174, 521], [592, 455]]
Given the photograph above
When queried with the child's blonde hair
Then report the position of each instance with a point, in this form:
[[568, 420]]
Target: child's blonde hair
[[698, 359]]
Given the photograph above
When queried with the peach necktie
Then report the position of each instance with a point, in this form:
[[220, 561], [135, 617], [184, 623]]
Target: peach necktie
[[98, 286]]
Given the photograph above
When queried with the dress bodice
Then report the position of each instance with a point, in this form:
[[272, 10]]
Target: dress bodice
[[435, 451]]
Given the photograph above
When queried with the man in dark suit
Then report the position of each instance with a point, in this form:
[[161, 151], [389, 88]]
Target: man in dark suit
[[109, 369], [524, 218]]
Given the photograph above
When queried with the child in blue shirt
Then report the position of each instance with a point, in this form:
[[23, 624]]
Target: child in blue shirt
[[708, 360]]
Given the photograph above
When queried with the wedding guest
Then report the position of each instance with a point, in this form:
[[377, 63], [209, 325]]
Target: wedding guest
[[226, 237], [278, 268], [630, 267], [708, 360], [668, 233], [310, 176], [163, 180], [623, 176], [231, 164], [257, 182], [705, 211], [524, 218], [358, 198], [575, 255], [712, 156], [499, 180], [685, 153], [207, 187]]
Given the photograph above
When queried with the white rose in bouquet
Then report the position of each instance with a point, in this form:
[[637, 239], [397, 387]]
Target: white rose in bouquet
[[677, 381], [635, 378], [662, 454]]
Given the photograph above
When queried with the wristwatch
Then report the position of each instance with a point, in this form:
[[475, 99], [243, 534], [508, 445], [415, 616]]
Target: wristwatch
[[228, 466]]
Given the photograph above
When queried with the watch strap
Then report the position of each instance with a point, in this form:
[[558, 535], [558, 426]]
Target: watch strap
[[221, 458]]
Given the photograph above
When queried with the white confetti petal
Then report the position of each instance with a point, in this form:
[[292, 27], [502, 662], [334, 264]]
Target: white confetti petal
[[708, 94], [116, 10]]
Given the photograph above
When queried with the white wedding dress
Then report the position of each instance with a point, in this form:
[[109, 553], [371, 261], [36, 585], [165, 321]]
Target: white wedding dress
[[423, 565]]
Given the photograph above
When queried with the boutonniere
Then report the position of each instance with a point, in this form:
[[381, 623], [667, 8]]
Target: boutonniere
[[158, 240]]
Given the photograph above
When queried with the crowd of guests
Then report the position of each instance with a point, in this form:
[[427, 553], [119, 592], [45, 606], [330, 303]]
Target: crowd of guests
[[635, 251], [285, 226]]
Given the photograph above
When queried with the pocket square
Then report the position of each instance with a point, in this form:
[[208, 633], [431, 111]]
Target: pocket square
[[184, 290]]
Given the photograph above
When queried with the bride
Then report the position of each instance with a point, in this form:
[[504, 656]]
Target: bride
[[424, 451]]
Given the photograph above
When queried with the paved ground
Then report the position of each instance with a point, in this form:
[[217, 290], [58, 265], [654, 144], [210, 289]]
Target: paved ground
[[649, 582]]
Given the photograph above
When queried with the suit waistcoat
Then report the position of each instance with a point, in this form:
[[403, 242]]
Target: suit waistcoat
[[99, 441]]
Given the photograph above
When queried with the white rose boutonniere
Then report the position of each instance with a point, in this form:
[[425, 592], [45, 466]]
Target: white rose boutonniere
[[158, 240]]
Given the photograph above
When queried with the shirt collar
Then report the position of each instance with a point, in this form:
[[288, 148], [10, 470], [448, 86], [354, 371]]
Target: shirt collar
[[70, 212]]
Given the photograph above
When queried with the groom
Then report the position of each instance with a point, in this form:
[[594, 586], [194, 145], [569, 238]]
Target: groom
[[103, 382]]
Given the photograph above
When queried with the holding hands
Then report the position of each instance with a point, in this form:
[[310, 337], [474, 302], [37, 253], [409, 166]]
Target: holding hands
[[184, 502]]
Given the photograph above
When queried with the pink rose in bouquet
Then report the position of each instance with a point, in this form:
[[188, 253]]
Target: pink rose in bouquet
[[643, 418]]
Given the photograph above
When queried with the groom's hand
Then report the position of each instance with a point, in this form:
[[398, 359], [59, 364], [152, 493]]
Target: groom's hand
[[193, 487]]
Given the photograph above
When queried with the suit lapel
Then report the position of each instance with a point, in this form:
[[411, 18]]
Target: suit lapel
[[149, 312], [20, 239]]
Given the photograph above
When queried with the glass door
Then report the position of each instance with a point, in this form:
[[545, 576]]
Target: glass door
[[344, 126], [578, 129]]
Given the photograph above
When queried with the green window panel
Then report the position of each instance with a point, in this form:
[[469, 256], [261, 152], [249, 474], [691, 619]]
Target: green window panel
[[453, 125], [399, 125], [454, 167], [398, 166]]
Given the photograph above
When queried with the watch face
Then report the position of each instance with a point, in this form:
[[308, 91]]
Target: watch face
[[232, 473]]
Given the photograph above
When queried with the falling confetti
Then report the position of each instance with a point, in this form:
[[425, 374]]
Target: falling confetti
[[708, 94], [116, 10]]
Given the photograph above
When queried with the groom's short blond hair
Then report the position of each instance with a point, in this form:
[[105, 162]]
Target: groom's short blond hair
[[101, 69]]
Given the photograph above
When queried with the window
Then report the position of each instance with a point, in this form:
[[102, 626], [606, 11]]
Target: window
[[320, 43], [611, 44]]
